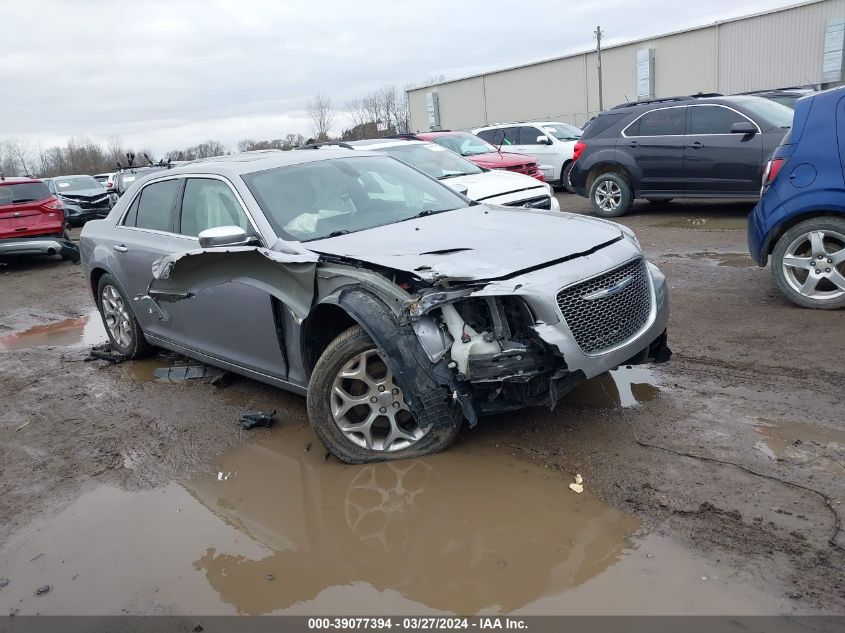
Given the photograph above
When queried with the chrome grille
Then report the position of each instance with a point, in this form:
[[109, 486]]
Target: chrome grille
[[609, 309], [540, 202]]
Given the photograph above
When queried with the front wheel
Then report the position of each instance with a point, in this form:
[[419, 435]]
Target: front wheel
[[611, 195], [359, 412], [808, 263], [122, 328]]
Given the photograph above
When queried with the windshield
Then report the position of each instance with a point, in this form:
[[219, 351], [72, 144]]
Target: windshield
[[435, 160], [766, 111], [76, 183], [563, 131], [23, 192], [465, 144], [332, 197]]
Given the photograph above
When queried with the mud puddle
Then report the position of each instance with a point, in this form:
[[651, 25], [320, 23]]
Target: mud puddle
[[84, 331], [275, 527], [708, 224], [731, 260], [623, 387], [802, 443]]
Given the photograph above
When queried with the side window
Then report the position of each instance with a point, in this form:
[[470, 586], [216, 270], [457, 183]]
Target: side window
[[132, 215], [501, 136], [209, 203], [156, 205], [713, 120], [662, 122], [528, 135]]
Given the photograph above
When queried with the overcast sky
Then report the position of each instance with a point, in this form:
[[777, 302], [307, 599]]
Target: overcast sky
[[165, 75]]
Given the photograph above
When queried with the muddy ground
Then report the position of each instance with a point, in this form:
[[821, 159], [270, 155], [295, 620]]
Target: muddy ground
[[96, 460]]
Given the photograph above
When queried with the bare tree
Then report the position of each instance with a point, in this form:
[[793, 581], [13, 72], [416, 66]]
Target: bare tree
[[322, 116], [19, 157]]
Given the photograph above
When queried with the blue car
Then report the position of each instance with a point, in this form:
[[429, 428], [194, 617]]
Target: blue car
[[800, 219]]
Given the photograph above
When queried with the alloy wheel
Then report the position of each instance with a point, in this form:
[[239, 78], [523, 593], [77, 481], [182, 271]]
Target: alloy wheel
[[608, 196], [814, 263], [368, 407], [116, 316]]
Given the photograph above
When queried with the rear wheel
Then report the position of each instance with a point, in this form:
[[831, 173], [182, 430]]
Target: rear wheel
[[564, 177], [611, 195], [359, 412], [122, 328], [808, 263]]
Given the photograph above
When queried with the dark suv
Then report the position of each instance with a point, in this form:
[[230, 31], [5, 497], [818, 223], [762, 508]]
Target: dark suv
[[682, 147]]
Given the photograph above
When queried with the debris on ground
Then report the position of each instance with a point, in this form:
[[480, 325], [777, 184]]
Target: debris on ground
[[104, 352], [252, 419], [24, 425], [223, 379], [308, 447], [4, 582], [578, 485], [188, 371], [43, 590]]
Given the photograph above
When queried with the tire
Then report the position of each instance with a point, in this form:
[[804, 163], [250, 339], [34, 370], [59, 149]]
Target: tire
[[802, 244], [611, 195], [109, 298], [355, 352], [564, 176]]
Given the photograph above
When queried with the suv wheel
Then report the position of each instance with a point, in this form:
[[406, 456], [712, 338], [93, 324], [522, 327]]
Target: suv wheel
[[358, 411], [611, 195], [808, 263], [122, 328], [564, 176]]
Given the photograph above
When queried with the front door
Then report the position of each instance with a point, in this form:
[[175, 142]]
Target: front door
[[717, 162], [233, 321]]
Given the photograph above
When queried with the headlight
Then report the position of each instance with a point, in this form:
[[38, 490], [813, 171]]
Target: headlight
[[630, 235]]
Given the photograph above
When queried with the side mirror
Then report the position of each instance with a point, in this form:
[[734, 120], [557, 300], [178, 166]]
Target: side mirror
[[461, 189], [744, 127], [544, 140], [223, 236]]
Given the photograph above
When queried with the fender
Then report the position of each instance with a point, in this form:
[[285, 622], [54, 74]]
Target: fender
[[427, 387]]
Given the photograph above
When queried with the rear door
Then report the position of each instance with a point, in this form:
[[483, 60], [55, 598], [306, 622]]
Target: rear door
[[234, 322], [655, 142], [142, 236], [717, 162]]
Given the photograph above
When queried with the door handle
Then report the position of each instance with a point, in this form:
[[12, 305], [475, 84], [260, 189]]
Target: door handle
[[695, 145], [120, 248], [634, 144]]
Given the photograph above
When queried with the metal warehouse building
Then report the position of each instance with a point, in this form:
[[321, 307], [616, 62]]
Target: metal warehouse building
[[796, 45]]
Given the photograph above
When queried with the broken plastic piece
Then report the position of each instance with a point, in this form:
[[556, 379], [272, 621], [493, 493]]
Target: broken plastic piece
[[578, 485], [104, 352], [252, 419]]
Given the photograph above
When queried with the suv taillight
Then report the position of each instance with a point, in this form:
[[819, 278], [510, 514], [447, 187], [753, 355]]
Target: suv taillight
[[54, 204], [579, 148], [772, 170]]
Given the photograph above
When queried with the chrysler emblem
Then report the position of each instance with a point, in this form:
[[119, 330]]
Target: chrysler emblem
[[604, 293]]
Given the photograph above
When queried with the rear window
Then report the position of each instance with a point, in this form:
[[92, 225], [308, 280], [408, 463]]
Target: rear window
[[23, 192], [603, 122]]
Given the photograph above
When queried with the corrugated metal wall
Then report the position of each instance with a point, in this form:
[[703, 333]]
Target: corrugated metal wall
[[776, 49]]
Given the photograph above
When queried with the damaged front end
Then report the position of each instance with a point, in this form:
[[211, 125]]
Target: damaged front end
[[478, 346]]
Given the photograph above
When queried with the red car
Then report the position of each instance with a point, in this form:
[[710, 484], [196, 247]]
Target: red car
[[32, 220], [481, 152]]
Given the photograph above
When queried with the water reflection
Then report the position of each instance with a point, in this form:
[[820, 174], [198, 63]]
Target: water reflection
[[460, 532]]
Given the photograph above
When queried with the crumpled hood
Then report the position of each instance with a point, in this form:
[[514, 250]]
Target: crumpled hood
[[84, 194], [472, 244], [495, 183]]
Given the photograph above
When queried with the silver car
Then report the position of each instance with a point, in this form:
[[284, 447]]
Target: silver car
[[398, 307]]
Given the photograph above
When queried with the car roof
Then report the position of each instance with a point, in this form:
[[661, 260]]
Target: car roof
[[514, 123], [382, 143], [69, 176], [16, 180], [261, 160]]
